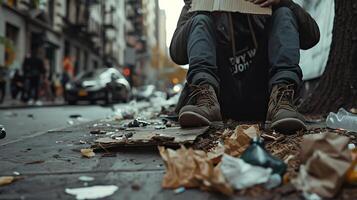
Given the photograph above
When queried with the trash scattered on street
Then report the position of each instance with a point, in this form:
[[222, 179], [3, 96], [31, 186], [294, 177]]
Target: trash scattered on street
[[16, 173], [179, 190], [93, 192], [256, 154], [86, 178], [190, 169], [75, 116], [88, 153], [239, 141], [2, 132], [70, 122], [6, 180], [98, 131], [138, 123], [342, 120], [149, 136], [241, 175], [326, 159], [135, 187]]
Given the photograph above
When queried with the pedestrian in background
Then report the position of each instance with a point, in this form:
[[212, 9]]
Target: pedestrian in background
[[3, 75], [17, 85], [34, 71]]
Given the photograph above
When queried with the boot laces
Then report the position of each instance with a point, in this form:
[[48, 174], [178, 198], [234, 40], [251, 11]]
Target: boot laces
[[204, 96], [285, 97]]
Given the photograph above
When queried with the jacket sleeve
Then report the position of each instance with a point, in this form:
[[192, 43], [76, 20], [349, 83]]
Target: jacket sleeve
[[185, 14], [308, 28]]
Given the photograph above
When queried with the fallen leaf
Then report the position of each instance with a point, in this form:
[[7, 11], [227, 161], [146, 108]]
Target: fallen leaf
[[88, 153], [6, 180], [191, 169]]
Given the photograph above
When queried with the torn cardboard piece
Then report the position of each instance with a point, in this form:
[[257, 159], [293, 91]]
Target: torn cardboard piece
[[191, 169], [239, 141], [149, 136], [326, 159], [241, 6]]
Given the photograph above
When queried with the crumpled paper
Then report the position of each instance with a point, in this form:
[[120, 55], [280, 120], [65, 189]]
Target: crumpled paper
[[239, 141], [192, 168], [326, 160], [93, 192], [242, 175], [6, 180]]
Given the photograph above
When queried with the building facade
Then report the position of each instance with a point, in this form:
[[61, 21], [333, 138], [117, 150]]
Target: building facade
[[89, 32]]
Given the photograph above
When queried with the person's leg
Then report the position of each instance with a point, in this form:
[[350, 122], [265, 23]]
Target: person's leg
[[285, 73], [195, 43]]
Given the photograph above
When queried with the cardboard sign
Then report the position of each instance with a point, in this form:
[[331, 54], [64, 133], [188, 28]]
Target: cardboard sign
[[241, 6]]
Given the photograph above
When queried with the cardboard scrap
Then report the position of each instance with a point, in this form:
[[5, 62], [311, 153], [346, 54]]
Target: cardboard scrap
[[191, 169], [149, 136], [88, 153], [326, 159], [238, 142], [6, 180], [242, 6]]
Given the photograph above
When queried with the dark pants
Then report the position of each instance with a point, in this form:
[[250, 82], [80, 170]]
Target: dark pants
[[34, 88], [196, 41]]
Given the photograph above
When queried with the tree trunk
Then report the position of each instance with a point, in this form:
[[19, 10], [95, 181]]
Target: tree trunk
[[338, 85]]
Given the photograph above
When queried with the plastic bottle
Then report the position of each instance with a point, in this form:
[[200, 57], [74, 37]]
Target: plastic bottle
[[342, 120], [256, 154]]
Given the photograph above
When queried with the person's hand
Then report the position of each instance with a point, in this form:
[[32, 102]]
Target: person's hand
[[265, 3]]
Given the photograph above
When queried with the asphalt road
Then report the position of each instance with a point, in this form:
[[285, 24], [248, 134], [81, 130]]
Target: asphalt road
[[28, 122]]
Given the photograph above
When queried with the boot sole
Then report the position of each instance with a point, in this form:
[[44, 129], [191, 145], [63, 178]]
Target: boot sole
[[192, 119], [288, 125]]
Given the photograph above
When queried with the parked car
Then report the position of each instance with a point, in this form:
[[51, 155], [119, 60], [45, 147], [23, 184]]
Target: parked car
[[106, 84]]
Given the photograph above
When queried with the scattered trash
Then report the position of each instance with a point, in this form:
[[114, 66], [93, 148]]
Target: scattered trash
[[135, 187], [148, 136], [312, 196], [16, 173], [352, 172], [274, 181], [238, 142], [179, 190], [138, 123], [129, 135], [6, 180], [88, 153], [75, 116], [351, 146], [98, 132], [342, 120], [160, 127], [241, 175], [190, 169], [82, 142], [86, 178], [256, 154], [35, 162], [325, 159], [31, 116], [2, 132], [70, 122], [94, 192]]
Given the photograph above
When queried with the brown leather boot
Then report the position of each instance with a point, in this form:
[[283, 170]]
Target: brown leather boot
[[282, 114], [202, 109]]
